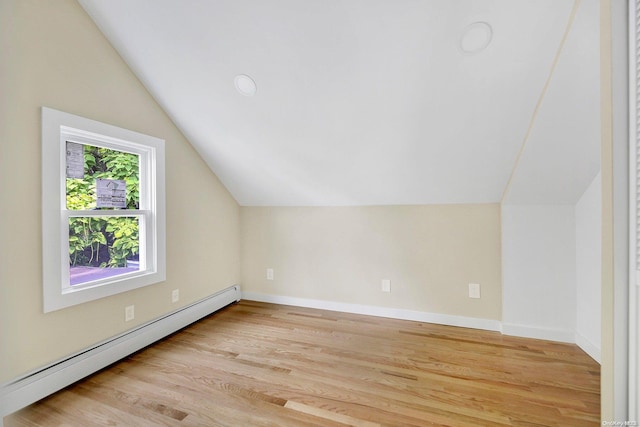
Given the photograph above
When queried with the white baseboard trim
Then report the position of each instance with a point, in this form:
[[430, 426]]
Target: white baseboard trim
[[524, 331], [30, 388], [394, 313], [588, 347]]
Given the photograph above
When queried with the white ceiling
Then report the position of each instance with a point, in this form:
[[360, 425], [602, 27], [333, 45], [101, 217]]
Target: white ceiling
[[562, 155], [372, 102]]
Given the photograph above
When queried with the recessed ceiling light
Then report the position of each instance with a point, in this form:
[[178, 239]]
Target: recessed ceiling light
[[476, 37], [245, 85]]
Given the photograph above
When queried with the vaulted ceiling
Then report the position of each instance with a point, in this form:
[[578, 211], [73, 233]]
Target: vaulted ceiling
[[375, 102]]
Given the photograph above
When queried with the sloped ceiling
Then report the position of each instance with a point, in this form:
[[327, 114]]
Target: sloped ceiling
[[562, 154], [371, 102]]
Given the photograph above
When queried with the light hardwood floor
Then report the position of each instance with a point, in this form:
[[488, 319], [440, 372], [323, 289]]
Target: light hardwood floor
[[255, 364]]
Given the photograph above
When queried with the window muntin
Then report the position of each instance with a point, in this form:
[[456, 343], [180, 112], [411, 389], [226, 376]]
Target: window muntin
[[106, 247]]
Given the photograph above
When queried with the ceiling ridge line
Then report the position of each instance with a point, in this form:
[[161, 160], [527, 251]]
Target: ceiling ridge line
[[543, 93]]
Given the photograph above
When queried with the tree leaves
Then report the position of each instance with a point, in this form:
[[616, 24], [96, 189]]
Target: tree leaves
[[91, 239]]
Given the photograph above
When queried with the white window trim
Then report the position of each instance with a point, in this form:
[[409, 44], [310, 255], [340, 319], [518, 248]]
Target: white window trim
[[57, 128], [634, 214]]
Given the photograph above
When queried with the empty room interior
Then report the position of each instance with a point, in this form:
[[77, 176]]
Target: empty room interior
[[345, 212]]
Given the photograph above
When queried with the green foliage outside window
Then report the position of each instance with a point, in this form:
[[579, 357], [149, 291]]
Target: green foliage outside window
[[103, 241]]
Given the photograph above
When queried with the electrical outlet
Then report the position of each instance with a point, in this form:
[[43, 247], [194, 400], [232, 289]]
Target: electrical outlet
[[175, 295], [269, 273], [474, 290], [386, 285], [129, 313]]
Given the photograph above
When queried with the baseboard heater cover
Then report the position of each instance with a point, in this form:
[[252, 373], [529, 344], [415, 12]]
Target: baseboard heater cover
[[30, 388]]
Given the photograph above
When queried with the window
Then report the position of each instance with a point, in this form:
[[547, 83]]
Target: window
[[103, 210]]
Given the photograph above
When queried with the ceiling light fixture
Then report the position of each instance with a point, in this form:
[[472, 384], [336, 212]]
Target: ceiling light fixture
[[245, 85], [476, 37]]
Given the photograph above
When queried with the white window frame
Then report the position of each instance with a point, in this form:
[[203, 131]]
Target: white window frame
[[58, 128], [634, 215]]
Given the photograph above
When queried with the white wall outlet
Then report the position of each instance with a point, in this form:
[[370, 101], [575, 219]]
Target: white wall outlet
[[175, 295], [129, 313], [269, 273], [386, 285], [474, 290]]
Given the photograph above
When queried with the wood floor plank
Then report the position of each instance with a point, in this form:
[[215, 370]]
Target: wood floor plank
[[329, 415], [257, 364]]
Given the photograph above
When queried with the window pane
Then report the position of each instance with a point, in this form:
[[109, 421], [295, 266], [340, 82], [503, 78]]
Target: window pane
[[101, 178], [102, 247]]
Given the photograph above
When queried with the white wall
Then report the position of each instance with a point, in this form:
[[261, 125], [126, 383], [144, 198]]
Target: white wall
[[588, 213], [539, 269]]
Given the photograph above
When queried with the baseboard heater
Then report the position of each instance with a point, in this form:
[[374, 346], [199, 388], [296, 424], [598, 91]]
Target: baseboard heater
[[30, 388]]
